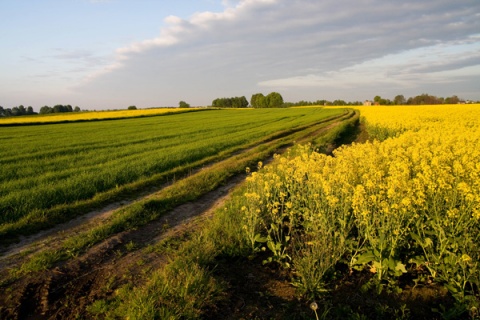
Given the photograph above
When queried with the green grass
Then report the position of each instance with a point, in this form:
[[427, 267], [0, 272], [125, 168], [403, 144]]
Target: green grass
[[50, 173], [142, 212]]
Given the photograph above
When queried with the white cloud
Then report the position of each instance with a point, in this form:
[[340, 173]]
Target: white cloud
[[405, 69], [258, 45]]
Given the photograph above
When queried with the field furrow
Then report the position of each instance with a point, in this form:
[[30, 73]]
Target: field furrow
[[139, 223]]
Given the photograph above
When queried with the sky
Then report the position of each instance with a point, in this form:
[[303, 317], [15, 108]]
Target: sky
[[110, 54]]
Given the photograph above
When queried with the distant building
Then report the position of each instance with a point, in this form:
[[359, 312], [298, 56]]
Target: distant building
[[367, 103]]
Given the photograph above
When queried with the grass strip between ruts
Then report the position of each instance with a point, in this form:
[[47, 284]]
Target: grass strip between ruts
[[142, 212]]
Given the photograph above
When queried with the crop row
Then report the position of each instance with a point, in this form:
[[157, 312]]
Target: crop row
[[48, 165]]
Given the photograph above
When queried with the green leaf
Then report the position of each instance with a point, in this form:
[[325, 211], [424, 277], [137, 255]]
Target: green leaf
[[452, 289], [271, 246], [365, 258], [391, 263], [428, 242], [259, 238], [425, 243], [401, 267], [418, 260], [417, 238]]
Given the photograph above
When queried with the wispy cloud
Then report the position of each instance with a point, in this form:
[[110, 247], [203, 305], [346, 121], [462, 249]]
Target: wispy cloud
[[81, 57]]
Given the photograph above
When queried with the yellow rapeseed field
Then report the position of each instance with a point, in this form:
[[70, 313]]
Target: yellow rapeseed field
[[88, 115], [411, 196]]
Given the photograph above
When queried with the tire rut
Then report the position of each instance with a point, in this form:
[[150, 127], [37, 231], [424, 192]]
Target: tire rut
[[65, 291], [28, 245]]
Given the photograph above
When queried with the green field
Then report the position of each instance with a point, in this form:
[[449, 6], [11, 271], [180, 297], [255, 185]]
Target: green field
[[44, 167]]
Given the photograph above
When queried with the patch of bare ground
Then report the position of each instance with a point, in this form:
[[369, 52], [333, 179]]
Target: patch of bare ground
[[256, 291]]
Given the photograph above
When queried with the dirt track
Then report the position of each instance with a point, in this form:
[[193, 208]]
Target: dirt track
[[65, 291]]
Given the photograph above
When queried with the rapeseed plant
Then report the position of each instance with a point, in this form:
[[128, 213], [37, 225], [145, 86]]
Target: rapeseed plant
[[417, 182]]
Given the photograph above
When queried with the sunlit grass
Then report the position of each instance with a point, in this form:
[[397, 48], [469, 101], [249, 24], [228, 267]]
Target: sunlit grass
[[57, 167]]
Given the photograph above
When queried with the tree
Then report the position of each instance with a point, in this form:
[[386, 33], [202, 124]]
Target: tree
[[258, 101], [46, 110], [22, 110], [274, 100], [183, 104], [400, 99], [452, 100], [424, 99], [234, 102], [16, 111], [30, 110], [132, 108], [76, 109], [339, 103], [57, 108], [239, 102]]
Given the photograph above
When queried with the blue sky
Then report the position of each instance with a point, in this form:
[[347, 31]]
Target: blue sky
[[109, 54]]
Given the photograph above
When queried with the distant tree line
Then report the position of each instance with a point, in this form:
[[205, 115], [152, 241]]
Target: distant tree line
[[234, 102], [417, 100], [258, 100], [22, 111], [378, 100], [59, 108], [16, 111], [337, 102], [183, 104]]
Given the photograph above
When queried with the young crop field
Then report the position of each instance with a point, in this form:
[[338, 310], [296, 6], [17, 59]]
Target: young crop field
[[88, 116], [52, 167]]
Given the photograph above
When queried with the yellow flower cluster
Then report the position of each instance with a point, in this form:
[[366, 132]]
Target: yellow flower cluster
[[388, 121], [435, 154], [90, 115], [421, 172]]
